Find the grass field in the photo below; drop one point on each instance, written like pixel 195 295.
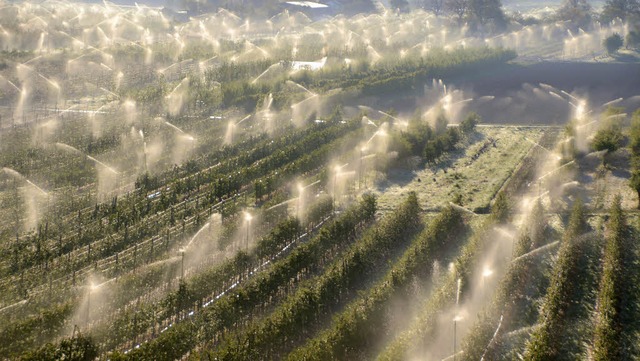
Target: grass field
pixel 475 172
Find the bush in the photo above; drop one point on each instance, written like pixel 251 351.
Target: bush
pixel 613 43
pixel 607 139
pixel 501 208
pixel 79 348
pixel 469 123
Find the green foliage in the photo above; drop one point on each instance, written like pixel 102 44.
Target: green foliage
pixel 265 338
pixel 420 140
pixel 537 224
pixel 443 297
pixel 78 348
pixel 608 138
pixel 545 342
pixel 131 209
pixel 621 9
pixel 356 330
pixel 634 144
pixel 613 43
pixel 577 12
pixel 230 311
pixel 417 134
pixel 441 123
pixel 469 123
pixel 613 111
pixel 512 294
pixel 279 237
pixel 488 13
pixel 152 94
pixel 144 225
pixel 501 208
pixel 608 344
pixel 439 145
pixel 15 337
pixel 577 220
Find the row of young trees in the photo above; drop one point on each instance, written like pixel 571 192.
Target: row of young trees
pixel 255 297
pixel 316 158
pixel 566 328
pixel 578 12
pixel 76 348
pixel 614 302
pixel 480 12
pixel 570 272
pixel 200 191
pixel 512 301
pixel 356 331
pixel 421 332
pixel 159 249
pixel 132 323
pixel 390 75
pixel 300 315
pixel 123 218
pixel 192 293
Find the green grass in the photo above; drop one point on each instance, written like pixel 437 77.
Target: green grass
pixel 476 180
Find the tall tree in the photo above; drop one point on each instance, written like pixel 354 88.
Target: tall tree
pixel 469 123
pixel 457 7
pixel 437 7
pixel 578 12
pixel 486 12
pixel 613 43
pixel 622 9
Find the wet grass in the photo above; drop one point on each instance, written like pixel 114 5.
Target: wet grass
pixel 472 172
